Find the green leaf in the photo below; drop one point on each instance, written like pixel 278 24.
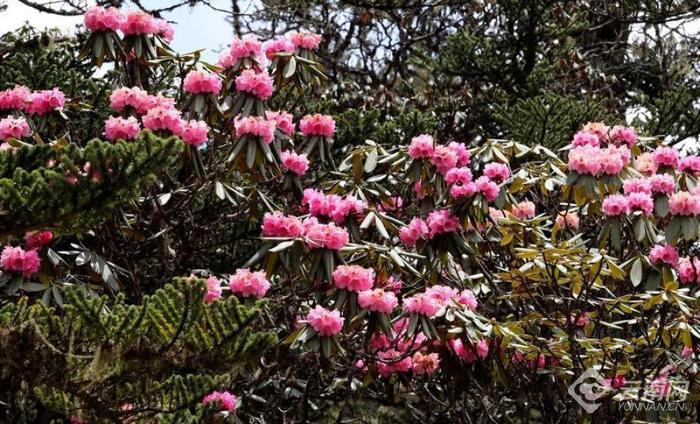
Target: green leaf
pixel 636 272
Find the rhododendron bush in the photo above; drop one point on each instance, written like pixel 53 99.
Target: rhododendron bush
pixel 438 280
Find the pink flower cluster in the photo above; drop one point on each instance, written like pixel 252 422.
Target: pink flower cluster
pixel 690 164
pixel 278 45
pixel 103 19
pixel 305 40
pixel 213 290
pixel 461 180
pixel 118 128
pixel 17 98
pixel 353 278
pixel 294 162
pixel 662 184
pixel 471 352
pixel 640 201
pixel 279 225
pixel 585 138
pixel 225 400
pixel 162 118
pixel 46 101
pixel 416 230
pixel 434 298
pixel 684 204
pixel 248 283
pixel 138 99
pixel 637 185
pixel 664 254
pixel 615 205
pixel 197 82
pixel 137 22
pixel 317 125
pixel 568 220
pixel 18 260
pixel 447 157
pixel 688 270
pixel 665 157
pixel 377 300
pixel 331 205
pixel 524 210
pixel 598 161
pixel 623 135
pixel 284 121
pixel 324 236
pixel 37 239
pixel 498 172
pixel 246 47
pixel 325 322
pixel 421 147
pixel 259 84
pixel 194 133
pixel 255 126
pixel 487 188
pixel 425 364
pixel 441 222
pixel 13 128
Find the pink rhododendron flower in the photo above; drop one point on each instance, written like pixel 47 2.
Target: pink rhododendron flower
pixel 284 121
pixel 225 400
pixel 353 278
pixel 421 304
pixel 17 98
pixel 482 348
pixel 317 124
pixel 417 229
pixel 193 132
pixel 103 19
pixel 295 162
pixel 568 220
pixel 129 96
pixel 255 126
pixel 637 185
pixel 461 152
pixel 425 364
pixel 213 290
pixel 258 84
pixel 596 161
pixel 662 184
pixel 326 236
pixel 248 283
pixel 487 188
pixel 461 180
pixel 467 298
pixel 421 147
pixel 37 239
pixel 597 128
pixel 226 61
pixel 137 22
pixel 688 270
pixel 644 163
pixel 160 118
pixel 441 222
pixel 17 259
pixel 640 202
pixel 684 203
pixel 524 210
pixel 393 361
pixel 278 45
pixel 665 156
pixel 202 82
pixel 279 225
pixel 118 128
pixel 331 205
pixel 305 40
pixel 619 134
pixel 443 158
pixel 13 128
pixel 246 47
pixel 664 254
pixel 46 101
pixel 470 352
pixel 584 138
pixel 690 164
pixel 165 30
pixel 615 205
pixel 498 172
pixel 325 322
pixel 377 300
